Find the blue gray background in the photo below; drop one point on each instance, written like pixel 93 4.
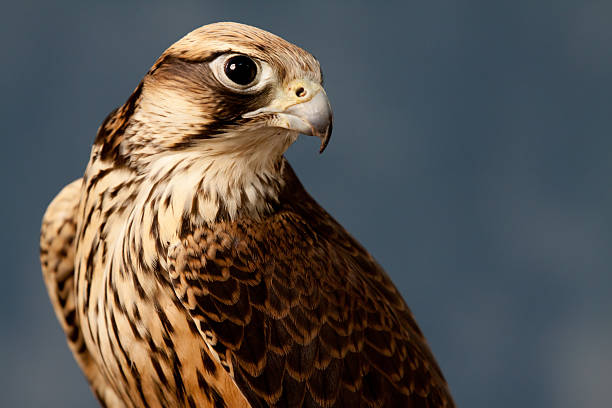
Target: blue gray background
pixel 471 155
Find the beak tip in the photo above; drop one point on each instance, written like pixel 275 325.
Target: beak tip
pixel 325 138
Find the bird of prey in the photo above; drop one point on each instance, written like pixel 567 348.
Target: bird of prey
pixel 190 268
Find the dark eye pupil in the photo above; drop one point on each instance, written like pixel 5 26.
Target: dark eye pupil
pixel 241 69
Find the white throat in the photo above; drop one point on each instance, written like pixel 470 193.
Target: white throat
pixel 221 178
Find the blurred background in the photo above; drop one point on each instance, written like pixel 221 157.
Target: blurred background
pixel 471 155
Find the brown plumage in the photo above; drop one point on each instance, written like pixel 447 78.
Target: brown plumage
pixel 189 267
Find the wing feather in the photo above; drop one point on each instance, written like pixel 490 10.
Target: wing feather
pixel 304 313
pixel 57 251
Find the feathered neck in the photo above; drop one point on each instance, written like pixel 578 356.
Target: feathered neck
pixel 207 179
pixel 220 179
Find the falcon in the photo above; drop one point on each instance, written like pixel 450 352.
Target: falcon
pixel 190 268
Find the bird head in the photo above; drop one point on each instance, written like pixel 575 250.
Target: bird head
pixel 207 126
pixel 223 89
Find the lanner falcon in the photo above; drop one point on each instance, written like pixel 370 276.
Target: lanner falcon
pixel 190 268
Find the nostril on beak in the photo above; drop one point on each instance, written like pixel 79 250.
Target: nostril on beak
pixel 301 92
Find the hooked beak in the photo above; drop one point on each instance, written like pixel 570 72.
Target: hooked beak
pixel 304 107
pixel 312 118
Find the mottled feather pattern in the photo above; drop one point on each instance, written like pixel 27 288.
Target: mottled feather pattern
pixel 316 324
pixel 143 343
pixel 57 251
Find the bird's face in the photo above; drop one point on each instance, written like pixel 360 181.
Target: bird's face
pixel 229 87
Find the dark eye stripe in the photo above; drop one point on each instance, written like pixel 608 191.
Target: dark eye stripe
pixel 170 59
pixel 224 106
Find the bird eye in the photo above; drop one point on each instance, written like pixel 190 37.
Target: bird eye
pixel 240 69
pixel 241 73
